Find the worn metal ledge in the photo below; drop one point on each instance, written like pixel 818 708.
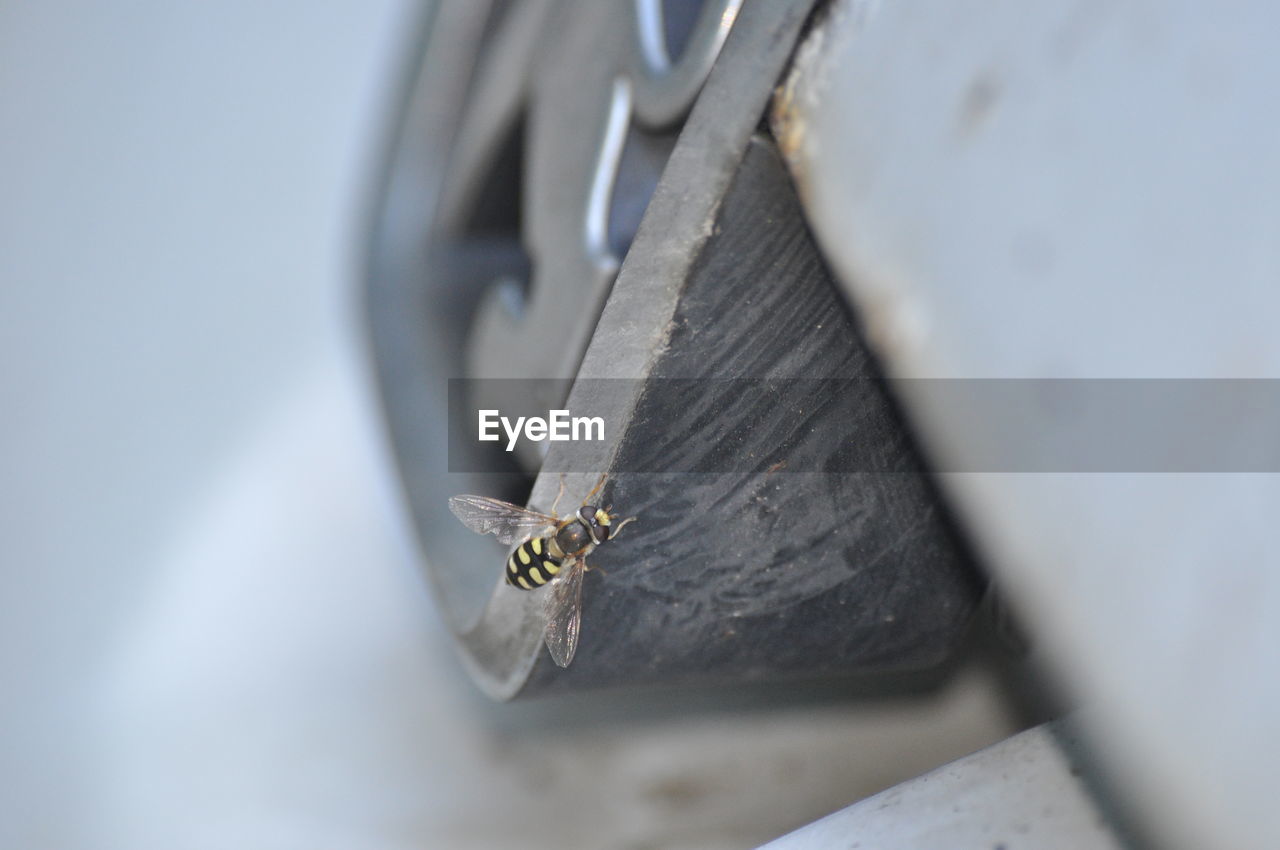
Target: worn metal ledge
pixel 1081 191
pixel 504 644
pixel 1028 791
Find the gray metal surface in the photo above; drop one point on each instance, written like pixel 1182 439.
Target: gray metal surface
pixel 424 292
pixel 598 92
pixel 1081 190
pixel 505 642
pixel 1027 791
pixel 491 158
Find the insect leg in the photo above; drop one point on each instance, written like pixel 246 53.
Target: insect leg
pixel 596 489
pixel 558 495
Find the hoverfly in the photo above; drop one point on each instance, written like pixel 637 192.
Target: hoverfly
pixel 552 550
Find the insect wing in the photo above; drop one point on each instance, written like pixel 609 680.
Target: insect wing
pixel 509 523
pixel 564 614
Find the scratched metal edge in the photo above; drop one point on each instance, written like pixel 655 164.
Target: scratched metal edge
pixel 637 315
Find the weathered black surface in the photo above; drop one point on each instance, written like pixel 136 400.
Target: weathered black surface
pixel 752 576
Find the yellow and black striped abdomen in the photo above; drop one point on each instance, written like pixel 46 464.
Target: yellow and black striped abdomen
pixel 534 563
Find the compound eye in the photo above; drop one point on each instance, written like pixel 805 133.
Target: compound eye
pixel 589 515
pixel 601 525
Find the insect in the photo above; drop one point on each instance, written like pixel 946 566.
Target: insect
pixel 552 551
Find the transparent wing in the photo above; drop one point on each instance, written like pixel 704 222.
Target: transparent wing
pixel 509 523
pixel 564 613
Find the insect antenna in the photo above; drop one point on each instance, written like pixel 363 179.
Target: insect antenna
pixel 617 528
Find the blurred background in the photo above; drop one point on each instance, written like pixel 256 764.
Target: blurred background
pixel 188 437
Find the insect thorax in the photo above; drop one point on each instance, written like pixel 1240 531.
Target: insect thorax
pixel 573 537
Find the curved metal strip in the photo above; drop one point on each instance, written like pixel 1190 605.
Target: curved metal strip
pixel 664 91
pixel 503 645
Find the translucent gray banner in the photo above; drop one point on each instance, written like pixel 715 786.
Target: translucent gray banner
pixel 852 426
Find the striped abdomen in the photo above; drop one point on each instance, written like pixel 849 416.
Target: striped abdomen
pixel 534 563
